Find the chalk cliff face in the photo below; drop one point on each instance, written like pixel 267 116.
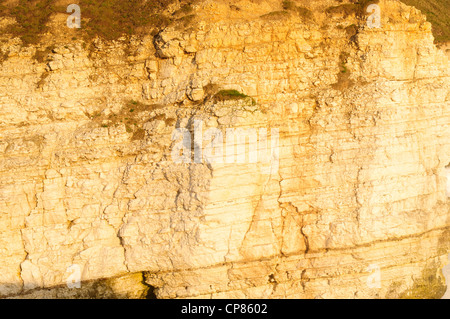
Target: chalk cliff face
pixel 355 191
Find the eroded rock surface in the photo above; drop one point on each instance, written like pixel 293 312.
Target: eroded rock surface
pixel 87 176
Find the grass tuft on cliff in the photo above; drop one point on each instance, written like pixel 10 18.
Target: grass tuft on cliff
pixel 230 95
pixel 226 95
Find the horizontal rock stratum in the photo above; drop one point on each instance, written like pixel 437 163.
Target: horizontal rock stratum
pixel 352 205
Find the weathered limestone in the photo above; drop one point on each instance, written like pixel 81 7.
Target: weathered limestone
pixel 87 176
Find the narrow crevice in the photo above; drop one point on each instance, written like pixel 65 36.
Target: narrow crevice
pixel 151 292
pixel 305 237
pixel 447 174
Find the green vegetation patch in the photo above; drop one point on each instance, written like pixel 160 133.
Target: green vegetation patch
pixel 111 19
pixel 230 95
pixel 31 16
pixel 357 7
pixel 303 12
pixel 108 19
pixel 438 13
pixel 227 95
pixel 430 286
pixel 276 15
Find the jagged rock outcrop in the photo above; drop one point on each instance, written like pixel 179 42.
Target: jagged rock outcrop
pixel 87 175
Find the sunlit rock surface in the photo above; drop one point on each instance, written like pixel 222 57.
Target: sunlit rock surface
pixel 359 184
